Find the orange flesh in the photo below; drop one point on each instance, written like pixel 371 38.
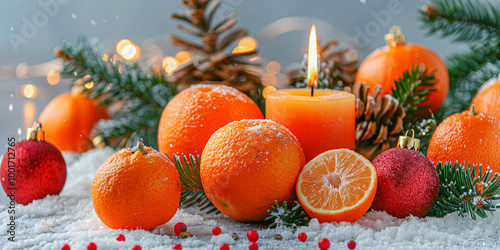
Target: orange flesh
pixel 342 183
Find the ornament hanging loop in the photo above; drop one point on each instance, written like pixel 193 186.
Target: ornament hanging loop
pixel 36 133
pixel 409 142
pixel 395 37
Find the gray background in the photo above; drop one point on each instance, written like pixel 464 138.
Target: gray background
pixel 146 21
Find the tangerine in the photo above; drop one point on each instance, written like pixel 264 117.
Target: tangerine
pixel 68 120
pixel 337 185
pixel 193 115
pixel 386 65
pixel 487 100
pixel 136 188
pixel 467 137
pixel 247 165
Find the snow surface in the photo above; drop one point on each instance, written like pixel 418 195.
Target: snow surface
pixel 70 219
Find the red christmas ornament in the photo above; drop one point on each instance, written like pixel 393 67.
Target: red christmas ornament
pixel 179 228
pixel 351 244
pixel 224 246
pixel 136 247
pixel 302 237
pixel 253 246
pixel 408 183
pixel 177 247
pixel 120 237
pixel 324 244
pixel 33 168
pixel 91 246
pixel 216 231
pixel 65 247
pixel 252 235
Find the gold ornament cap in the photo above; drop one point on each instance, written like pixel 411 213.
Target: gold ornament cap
pixel 395 37
pixel 36 133
pixel 409 142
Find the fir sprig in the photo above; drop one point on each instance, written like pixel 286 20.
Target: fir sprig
pixel 193 193
pixel 412 89
pixel 288 216
pixel 460 190
pixel 142 93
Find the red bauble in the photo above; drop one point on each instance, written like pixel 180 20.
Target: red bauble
pixel 32 169
pixel 408 183
pixel 302 237
pixel 224 246
pixel 216 231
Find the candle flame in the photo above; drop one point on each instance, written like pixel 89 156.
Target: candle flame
pixel 312 59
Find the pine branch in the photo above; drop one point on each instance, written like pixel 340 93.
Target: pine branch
pixel 412 89
pixel 284 215
pixel 141 92
pixel 468 72
pixel 460 190
pixel 472 21
pixel 192 192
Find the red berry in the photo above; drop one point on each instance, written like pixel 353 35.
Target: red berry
pixel 216 230
pixel 252 235
pixel 91 246
pixel 179 228
pixel 65 247
pixel 120 237
pixel 324 244
pixel 302 237
pixel 177 247
pixel 351 244
pixel 253 246
pixel 136 247
pixel 224 246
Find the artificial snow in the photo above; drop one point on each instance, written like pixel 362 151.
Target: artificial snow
pixel 69 218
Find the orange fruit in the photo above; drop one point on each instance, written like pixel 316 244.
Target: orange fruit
pixel 247 165
pixel 136 188
pixel 337 185
pixel 487 100
pixel 193 115
pixel 467 137
pixel 387 64
pixel 68 120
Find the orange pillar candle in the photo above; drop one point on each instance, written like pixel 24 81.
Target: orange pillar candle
pixel 322 122
pixel 320 119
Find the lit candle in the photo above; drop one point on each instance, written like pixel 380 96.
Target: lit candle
pixel 320 119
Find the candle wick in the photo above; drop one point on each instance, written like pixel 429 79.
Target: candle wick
pixel 312 90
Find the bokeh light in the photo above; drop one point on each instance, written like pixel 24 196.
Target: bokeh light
pixel 273 67
pixel 247 44
pixel 29 91
pixel 182 56
pixel 53 77
pixel 268 79
pixel 90 84
pixel 169 64
pixel 128 50
pixel 267 90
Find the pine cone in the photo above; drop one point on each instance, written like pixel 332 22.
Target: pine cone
pixel 210 62
pixel 379 120
pixel 337 67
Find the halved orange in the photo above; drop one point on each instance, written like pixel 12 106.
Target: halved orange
pixel 337 185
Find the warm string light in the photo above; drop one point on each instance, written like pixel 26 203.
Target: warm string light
pixel 90 84
pixel 312 60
